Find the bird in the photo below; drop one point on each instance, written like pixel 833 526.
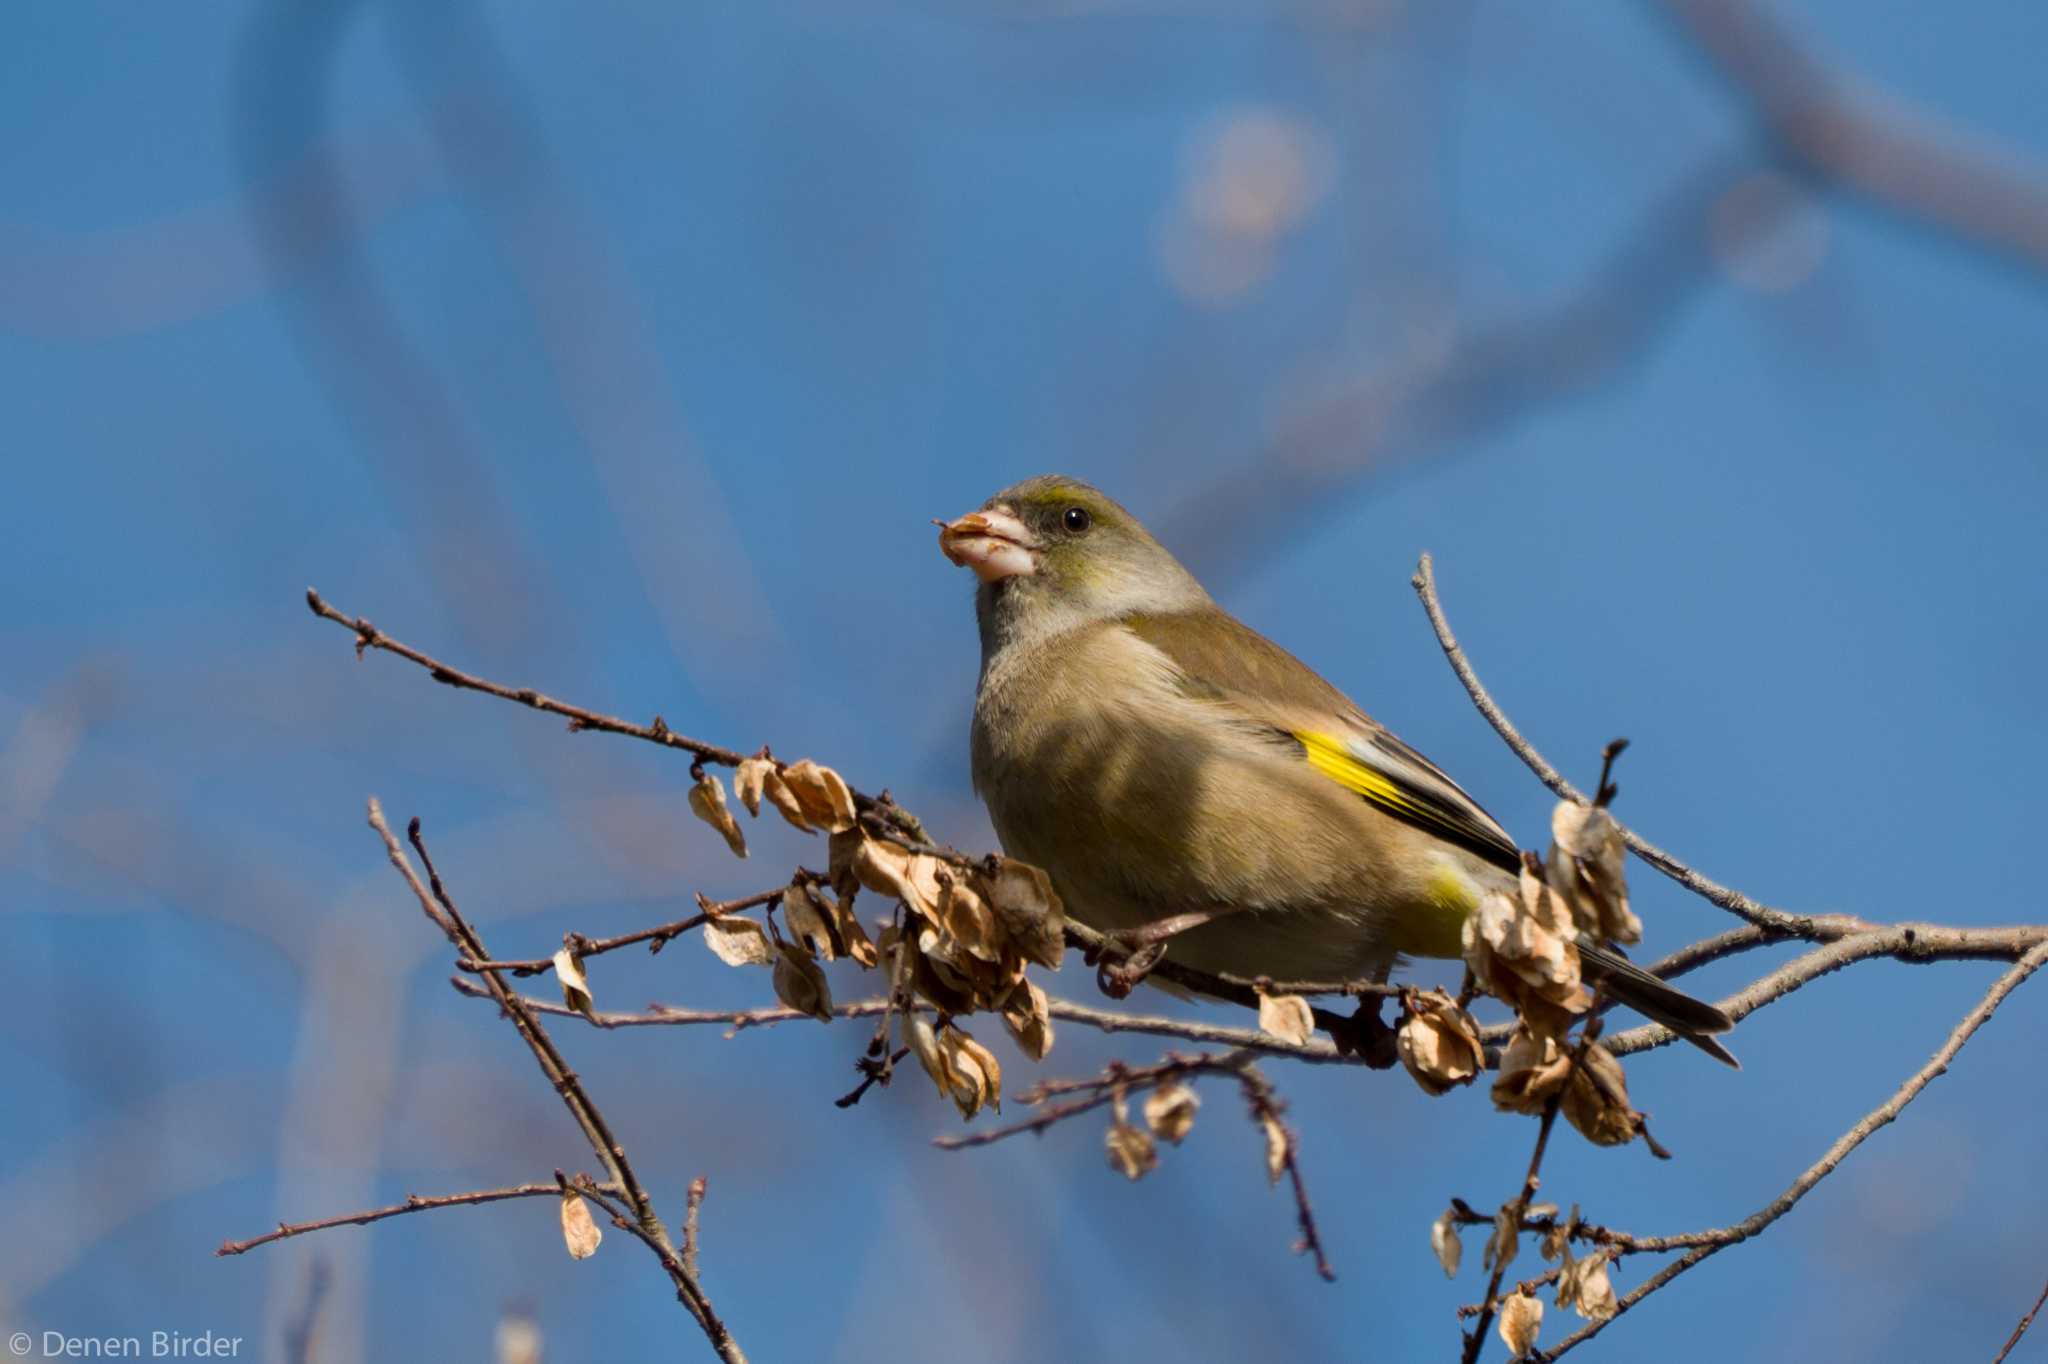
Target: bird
pixel 1191 787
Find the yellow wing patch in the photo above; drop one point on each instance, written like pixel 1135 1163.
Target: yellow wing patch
pixel 1331 756
pixel 1334 760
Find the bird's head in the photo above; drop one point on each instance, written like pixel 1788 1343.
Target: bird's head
pixel 1054 554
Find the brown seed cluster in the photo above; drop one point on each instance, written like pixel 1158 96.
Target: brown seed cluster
pixel 967 932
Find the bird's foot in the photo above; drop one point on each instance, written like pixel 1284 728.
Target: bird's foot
pixel 1118 978
pixel 1142 947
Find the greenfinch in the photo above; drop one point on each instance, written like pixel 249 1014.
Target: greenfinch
pixel 1184 780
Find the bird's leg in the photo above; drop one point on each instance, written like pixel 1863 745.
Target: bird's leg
pixel 1143 946
pixel 1366 1035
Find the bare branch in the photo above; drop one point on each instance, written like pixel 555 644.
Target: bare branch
pixel 656 937
pixel 2021 1329
pixel 1267 1112
pixel 1837 941
pixel 1117 1079
pixel 1872 145
pixel 1878 1117
pixel 691 1219
pixel 1735 902
pixel 1475 1339
pixel 1316 1051
pixel 1906 942
pixel 644 1223
pixel 879 814
pixel 413 1203
pixel 369 636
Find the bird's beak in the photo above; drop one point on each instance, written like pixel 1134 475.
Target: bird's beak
pixel 993 543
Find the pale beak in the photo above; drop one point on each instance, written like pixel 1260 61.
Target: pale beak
pixel 993 543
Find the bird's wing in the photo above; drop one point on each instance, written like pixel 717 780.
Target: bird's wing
pixel 1221 660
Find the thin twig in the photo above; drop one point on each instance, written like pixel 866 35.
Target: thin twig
pixel 691 1216
pixel 1734 901
pixel 1267 1109
pixel 1117 1079
pixel 1096 1091
pixel 1476 1339
pixel 2021 1329
pixel 413 1203
pixel 1906 942
pixel 441 910
pixel 880 814
pixel 1316 1051
pixel 1878 1117
pixel 369 636
pixel 656 937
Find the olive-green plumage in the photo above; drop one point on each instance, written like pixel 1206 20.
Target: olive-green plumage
pixel 1157 758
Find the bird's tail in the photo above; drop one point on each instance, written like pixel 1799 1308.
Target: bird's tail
pixel 1622 980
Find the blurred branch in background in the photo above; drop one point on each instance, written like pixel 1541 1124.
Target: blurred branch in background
pixel 1456 380
pixel 1842 134
pixel 1437 1042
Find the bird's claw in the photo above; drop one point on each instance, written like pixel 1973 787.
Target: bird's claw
pixel 1118 978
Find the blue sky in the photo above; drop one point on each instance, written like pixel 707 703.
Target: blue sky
pixel 626 352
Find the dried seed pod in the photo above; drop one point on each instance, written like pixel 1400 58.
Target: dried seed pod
pixel 1170 1110
pixel 580 1232
pixel 1505 1242
pixel 1279 1144
pixel 1131 1151
pixel 806 922
pixel 822 794
pixel 1033 920
pixel 784 800
pixel 1286 1017
pixel 801 984
pixel 1533 1067
pixel 1584 1286
pixel 1444 1240
pixel 1027 1014
pixel 976 1077
pixel 1586 867
pixel 1521 1318
pixel 575 989
pixel 738 942
pixel 1523 949
pixel 1438 1042
pixel 1596 1100
pixel 707 801
pixel 748 781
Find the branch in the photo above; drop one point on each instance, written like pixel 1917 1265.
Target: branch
pixel 880 814
pixel 2021 1329
pixel 1870 145
pixel 1475 1340
pixel 1905 942
pixel 656 938
pixel 1762 1218
pixel 643 1222
pixel 1315 1051
pixel 412 1203
pixel 1117 1079
pixel 369 636
pixel 1839 940
pixel 1735 902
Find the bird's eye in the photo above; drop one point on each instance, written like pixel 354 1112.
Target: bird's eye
pixel 1077 519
